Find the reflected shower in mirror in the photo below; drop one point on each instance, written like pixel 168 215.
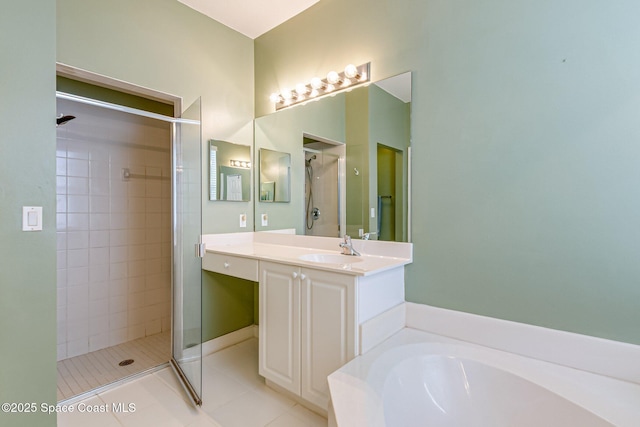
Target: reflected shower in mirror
pixel 275 176
pixel 373 125
pixel 229 171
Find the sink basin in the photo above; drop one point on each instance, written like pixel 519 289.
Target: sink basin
pixel 330 258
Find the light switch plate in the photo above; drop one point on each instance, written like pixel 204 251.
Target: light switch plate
pixel 32 218
pixel 243 220
pixel 265 220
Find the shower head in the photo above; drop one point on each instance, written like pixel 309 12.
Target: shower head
pixel 62 119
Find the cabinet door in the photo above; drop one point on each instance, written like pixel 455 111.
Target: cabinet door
pixel 279 353
pixel 329 334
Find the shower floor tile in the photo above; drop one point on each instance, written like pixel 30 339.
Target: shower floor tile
pixel 80 374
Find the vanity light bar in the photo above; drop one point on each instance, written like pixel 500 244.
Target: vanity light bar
pixel 240 164
pixel 334 83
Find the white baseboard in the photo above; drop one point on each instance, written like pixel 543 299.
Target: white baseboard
pixel 597 355
pixel 227 340
pixel 381 327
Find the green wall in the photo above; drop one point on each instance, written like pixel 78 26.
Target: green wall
pixel 27 178
pixel 524 121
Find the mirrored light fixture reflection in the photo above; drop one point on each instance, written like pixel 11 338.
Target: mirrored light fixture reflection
pixel 240 164
pixel 316 88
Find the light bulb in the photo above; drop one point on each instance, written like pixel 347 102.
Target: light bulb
pixel 351 71
pixel 329 88
pixel 275 98
pixel 333 77
pixel 301 89
pixel 317 83
pixel 314 93
pixel 286 94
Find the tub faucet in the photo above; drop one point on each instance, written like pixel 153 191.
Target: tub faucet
pixel 347 248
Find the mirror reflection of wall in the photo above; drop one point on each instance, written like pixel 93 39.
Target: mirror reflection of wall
pixel 374 123
pixel 229 171
pixel 275 176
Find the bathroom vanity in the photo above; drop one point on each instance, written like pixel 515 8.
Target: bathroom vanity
pixel 313 301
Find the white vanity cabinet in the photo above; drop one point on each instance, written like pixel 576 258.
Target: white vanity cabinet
pixel 308 327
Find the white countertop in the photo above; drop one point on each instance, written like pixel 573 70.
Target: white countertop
pixel 377 256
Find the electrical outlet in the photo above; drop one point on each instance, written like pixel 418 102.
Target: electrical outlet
pixel 373 212
pixel 360 232
pixel 265 220
pixel 243 220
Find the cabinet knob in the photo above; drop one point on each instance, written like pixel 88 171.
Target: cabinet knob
pixel 226 265
pixel 295 275
pixel 303 276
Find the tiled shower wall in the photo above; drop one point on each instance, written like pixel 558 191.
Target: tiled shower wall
pixel 114 251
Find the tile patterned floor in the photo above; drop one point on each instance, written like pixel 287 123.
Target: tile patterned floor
pixel 233 395
pixel 80 374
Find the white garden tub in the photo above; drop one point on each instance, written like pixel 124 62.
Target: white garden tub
pixel 420 379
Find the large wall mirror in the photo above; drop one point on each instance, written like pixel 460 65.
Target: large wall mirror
pixel 229 171
pixel 349 165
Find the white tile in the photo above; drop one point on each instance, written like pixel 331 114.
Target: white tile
pixel 118 254
pixel 309 418
pixel 61 222
pixel 117 336
pixel 84 418
pixel 99 186
pixel 61 240
pixel 153 327
pixel 99 307
pixel 77 186
pixel 135 332
pixel 99 256
pixel 99 341
pixel 219 389
pixel 78 167
pixel 61 354
pixel 118 271
pixel 137 204
pixel 118 221
pixel 77 221
pixel 77 204
pixel 119 204
pixel 118 287
pixel 78 295
pixel 61 166
pixel 61 185
pixel 99 325
pixel 99 168
pixel 98 273
pixel 61 260
pixel 77 276
pixel 61 203
pixel 77 150
pixel 250 409
pixel 61 277
pixel 99 204
pixel 61 296
pixel 98 290
pixel 100 221
pixel 77 258
pixel 136 269
pixel 77 330
pixel 118 309
pixel 78 240
pixel 78 347
pixel 99 238
pixel 78 313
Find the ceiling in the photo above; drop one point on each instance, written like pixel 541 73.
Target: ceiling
pixel 250 17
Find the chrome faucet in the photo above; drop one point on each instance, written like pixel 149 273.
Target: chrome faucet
pixel 347 248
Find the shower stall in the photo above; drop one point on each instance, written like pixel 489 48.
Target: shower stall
pixel 325 189
pixel 122 215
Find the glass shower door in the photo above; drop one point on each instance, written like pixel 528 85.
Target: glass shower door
pixel 187 262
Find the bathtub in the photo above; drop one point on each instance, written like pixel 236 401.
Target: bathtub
pixel 417 378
